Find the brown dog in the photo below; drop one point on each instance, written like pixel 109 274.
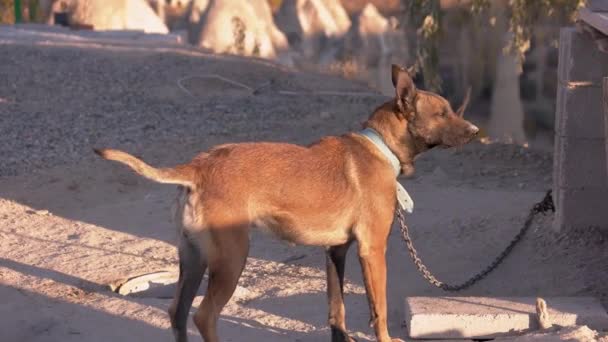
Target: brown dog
pixel 331 193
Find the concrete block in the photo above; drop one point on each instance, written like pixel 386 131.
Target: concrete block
pixel 557 162
pixel 483 317
pixel 597 20
pixel 580 62
pixel 582 163
pixel 579 112
pixel 597 5
pixel 581 208
pixel 605 101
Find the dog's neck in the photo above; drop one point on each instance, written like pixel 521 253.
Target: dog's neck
pixel 397 137
pixel 377 140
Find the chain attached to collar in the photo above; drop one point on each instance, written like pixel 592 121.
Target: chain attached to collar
pixel 541 207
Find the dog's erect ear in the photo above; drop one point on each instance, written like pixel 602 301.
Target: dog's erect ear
pixel 413 70
pixel 405 91
pixel 465 103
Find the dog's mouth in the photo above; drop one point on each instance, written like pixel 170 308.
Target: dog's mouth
pixel 451 144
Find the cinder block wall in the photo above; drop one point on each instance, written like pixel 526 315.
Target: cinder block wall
pixel 580 179
pixel 605 99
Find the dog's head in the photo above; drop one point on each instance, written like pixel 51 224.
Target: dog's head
pixel 418 120
pixel 430 118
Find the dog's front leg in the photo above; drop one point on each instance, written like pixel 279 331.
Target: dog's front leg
pixel 373 263
pixel 336 258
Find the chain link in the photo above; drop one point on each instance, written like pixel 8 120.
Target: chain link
pixel 541 207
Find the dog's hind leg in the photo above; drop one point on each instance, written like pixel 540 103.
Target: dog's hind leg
pixel 336 259
pixel 226 262
pixel 192 265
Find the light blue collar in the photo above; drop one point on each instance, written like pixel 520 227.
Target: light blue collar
pixel 376 139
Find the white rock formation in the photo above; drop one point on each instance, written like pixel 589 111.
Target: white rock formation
pixel 111 14
pixel 374 28
pixel 238 27
pixel 310 23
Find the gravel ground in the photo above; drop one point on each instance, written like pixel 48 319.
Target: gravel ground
pixel 74 99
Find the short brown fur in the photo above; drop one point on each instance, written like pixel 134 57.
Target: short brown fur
pixel 331 193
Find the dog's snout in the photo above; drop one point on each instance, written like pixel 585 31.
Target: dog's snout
pixel 472 129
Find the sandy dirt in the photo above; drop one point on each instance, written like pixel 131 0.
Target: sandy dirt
pixel 70 224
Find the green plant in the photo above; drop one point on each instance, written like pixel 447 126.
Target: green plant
pixel 33 10
pixel 428 33
pixel 524 13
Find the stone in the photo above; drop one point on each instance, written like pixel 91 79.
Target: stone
pixel 579 112
pixel 580 62
pixel 597 5
pixel 239 27
pixel 574 333
pixel 582 163
pixel 485 317
pixel 313 24
pixel 373 29
pixel 605 107
pixel 557 161
pixel 581 208
pixel 597 20
pixel 113 15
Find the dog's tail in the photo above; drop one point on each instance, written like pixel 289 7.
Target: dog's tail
pixel 182 174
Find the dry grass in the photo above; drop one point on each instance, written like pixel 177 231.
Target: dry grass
pixel 348 68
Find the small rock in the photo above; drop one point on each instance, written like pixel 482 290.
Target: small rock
pixel 73 236
pixel 42 212
pixel 73 332
pixel 325 115
pixel 294 258
pixel 243 295
pixel 439 173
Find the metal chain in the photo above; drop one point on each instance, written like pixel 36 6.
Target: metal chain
pixel 541 207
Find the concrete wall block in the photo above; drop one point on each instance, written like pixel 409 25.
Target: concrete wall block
pixel 579 58
pixel 565 51
pixel 597 5
pixel 582 162
pixel 560 107
pixel 582 208
pixel 557 162
pixel 605 102
pixel 579 112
